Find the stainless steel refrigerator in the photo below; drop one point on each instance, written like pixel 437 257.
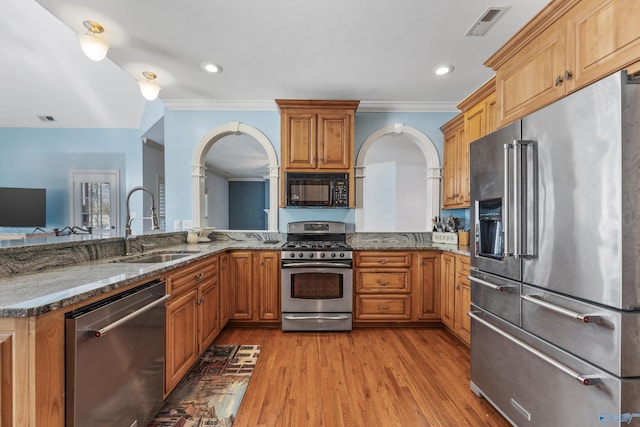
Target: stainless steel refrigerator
pixel 555 280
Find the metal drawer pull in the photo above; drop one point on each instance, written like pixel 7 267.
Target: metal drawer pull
pixel 582 317
pixel 199 276
pixel 340 317
pixel 382 282
pixel 101 332
pixel 489 285
pixel 584 379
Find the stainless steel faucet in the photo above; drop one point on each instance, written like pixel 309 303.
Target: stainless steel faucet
pixel 127 227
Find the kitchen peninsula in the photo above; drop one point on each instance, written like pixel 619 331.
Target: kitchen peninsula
pixel 34 299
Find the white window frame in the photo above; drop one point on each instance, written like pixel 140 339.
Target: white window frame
pixel 112 176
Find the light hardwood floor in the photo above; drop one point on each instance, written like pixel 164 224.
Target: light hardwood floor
pixel 367 377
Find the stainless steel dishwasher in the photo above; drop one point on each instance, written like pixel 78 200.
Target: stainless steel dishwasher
pixel 115 359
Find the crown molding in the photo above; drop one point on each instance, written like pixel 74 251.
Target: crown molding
pixel 270 105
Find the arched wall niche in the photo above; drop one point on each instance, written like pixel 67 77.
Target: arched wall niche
pixel 432 175
pixel 198 170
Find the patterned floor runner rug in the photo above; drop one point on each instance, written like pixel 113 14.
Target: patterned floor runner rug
pixel 211 393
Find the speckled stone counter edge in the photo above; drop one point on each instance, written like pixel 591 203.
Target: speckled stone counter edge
pixel 47 277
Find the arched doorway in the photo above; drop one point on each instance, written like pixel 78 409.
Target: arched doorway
pixel 198 170
pixel 431 175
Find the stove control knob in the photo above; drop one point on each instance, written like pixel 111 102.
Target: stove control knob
pixel 293 255
pixel 341 254
pixel 311 255
pixel 333 254
pixel 322 254
pixel 300 255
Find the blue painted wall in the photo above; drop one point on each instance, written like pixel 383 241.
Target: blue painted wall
pixel 36 157
pixel 42 158
pixel 184 129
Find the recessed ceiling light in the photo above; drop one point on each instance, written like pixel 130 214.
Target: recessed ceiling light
pixel 445 69
pixel 210 67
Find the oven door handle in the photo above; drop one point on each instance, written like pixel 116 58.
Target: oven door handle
pixel 316 264
pixel 317 317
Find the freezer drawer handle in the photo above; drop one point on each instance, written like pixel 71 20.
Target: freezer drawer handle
pixel 582 317
pixel 102 332
pixel 584 379
pixel 489 285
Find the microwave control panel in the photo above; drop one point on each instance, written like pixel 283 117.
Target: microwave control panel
pixel 341 193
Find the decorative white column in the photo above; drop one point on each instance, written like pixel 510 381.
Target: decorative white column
pixel 197 194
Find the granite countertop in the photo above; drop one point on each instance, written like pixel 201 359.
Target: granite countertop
pixel 35 293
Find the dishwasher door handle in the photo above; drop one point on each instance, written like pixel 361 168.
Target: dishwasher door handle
pixel 102 332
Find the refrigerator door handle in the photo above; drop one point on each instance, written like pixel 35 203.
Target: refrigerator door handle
pixel 525 199
pixel 584 379
pixel 489 285
pixel 582 317
pixel 506 219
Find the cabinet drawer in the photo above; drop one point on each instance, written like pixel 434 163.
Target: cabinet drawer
pixel 380 307
pixel 383 259
pixel 380 281
pixel 463 265
pixel 193 274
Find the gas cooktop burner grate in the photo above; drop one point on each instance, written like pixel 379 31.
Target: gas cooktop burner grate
pixel 316 245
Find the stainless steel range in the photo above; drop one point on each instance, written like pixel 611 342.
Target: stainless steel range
pixel 317 277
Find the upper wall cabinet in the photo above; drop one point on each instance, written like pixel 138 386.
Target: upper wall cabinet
pixel 317 135
pixel 569 45
pixel 478 118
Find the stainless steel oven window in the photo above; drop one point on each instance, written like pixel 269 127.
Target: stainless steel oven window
pixel 315 285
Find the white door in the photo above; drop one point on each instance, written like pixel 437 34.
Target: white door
pixel 95 196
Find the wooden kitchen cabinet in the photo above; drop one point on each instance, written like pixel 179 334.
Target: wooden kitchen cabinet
pixel 383 285
pixel 426 294
pixel 453 176
pixel 317 134
pixel 567 46
pixel 192 317
pixel 462 299
pixel 478 118
pixel 241 285
pixel 447 289
pixel 223 279
pixel 254 278
pixel 456 294
pixel 269 287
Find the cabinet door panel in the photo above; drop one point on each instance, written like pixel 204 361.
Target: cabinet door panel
pixel 300 134
pixel 450 170
pixel 605 36
pixel 448 289
pixel 333 141
pixel 181 337
pixel 240 285
pixel 208 325
pixel 528 81
pixel 427 294
pixel 223 280
pixel 268 281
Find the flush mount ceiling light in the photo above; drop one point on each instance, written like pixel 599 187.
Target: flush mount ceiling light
pixel 210 67
pixel 444 69
pixel 148 87
pixel 92 43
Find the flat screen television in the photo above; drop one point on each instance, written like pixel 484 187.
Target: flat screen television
pixel 23 207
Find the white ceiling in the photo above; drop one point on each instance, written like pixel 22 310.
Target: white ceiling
pixel 380 52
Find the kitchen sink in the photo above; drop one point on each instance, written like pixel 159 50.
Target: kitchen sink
pixel 156 257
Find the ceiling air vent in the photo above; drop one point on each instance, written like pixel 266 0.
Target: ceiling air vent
pixel 47 118
pixel 489 17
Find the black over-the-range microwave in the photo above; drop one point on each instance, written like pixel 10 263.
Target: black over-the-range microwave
pixel 308 189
